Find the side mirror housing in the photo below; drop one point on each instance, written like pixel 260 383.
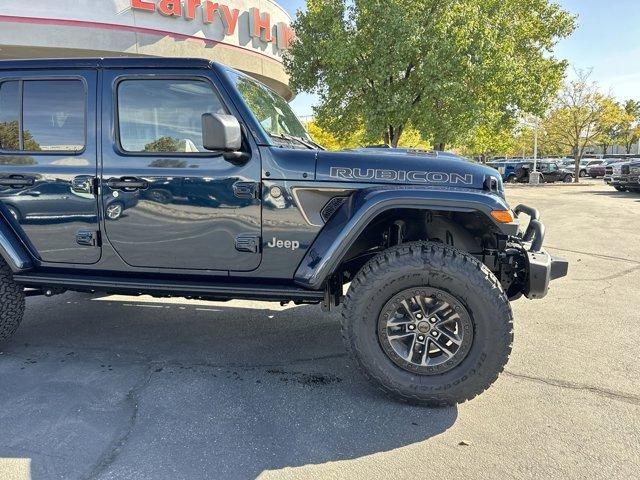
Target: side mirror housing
pixel 221 132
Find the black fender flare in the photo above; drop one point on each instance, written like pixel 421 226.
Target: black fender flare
pixel 332 243
pixel 12 250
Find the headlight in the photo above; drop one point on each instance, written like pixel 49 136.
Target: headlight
pixel 635 170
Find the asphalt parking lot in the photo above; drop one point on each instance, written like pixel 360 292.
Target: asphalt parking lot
pixel 137 388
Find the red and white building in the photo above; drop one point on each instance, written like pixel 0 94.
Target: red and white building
pixel 249 35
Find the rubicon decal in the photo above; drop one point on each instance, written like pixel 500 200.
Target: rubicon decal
pixel 413 176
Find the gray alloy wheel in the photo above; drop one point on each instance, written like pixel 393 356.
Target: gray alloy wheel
pixel 426 330
pixel 114 210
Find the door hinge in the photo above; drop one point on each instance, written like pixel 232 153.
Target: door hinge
pixel 246 190
pixel 88 238
pixel 248 243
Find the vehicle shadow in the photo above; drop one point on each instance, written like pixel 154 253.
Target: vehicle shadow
pixel 608 193
pixel 117 387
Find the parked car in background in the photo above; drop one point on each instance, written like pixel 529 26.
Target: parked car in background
pixel 36 203
pixel 613 175
pixel 519 172
pixel 629 175
pixel 599 169
pixel 585 163
pixel 634 177
pixel 510 169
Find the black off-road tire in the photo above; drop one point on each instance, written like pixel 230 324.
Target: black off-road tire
pixel 12 303
pixel 422 264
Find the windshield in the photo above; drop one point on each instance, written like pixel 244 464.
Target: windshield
pixel 271 110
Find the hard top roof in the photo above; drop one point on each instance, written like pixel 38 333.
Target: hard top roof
pixel 115 62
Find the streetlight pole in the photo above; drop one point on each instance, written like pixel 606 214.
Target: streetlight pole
pixel 535 145
pixel 534 177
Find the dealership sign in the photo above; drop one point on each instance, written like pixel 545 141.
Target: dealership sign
pixel 260 26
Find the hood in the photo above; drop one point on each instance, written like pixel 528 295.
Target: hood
pixel 414 169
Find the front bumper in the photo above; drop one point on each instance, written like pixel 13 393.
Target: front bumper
pixel 630 181
pixel 541 267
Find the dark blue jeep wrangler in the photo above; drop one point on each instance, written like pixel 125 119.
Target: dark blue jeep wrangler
pixel 174 177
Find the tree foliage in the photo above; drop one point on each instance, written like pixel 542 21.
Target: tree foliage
pixel 10 138
pixel 411 139
pixel 163 144
pixel 441 66
pixel 629 133
pixel 579 117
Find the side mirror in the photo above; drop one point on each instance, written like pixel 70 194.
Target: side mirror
pixel 221 132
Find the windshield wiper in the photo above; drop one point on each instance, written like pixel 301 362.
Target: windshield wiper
pixel 307 143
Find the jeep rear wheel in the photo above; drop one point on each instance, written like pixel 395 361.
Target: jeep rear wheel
pixel 11 303
pixel 428 324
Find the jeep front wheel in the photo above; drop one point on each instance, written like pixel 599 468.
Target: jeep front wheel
pixel 428 324
pixel 11 303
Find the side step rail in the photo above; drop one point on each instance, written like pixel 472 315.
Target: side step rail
pixel 169 288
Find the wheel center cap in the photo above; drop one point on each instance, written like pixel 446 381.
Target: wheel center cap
pixel 423 327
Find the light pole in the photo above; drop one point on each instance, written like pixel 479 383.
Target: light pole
pixel 534 176
pixel 535 145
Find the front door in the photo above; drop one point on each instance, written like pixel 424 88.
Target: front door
pixel 168 202
pixel 48 162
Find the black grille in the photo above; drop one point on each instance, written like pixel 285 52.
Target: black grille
pixel 331 207
pixel 624 170
pixel 609 170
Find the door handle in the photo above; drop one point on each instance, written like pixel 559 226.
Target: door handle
pixel 127 183
pixel 17 181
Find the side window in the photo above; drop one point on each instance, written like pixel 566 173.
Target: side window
pixel 53 115
pixel 164 116
pixel 9 116
pixel 553 167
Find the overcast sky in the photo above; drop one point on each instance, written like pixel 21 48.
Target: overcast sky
pixel 607 40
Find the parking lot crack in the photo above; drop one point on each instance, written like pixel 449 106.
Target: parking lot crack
pixel 597 255
pixel 603 392
pixel 116 446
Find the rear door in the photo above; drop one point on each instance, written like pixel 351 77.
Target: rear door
pixel 48 162
pixel 194 209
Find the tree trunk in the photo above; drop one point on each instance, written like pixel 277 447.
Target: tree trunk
pixel 576 172
pixel 397 133
pixel 439 146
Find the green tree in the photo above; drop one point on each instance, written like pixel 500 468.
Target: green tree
pixel 612 120
pixel 411 138
pixel 441 66
pixel 163 144
pixel 10 138
pixel 577 118
pixel 485 142
pixel 629 134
